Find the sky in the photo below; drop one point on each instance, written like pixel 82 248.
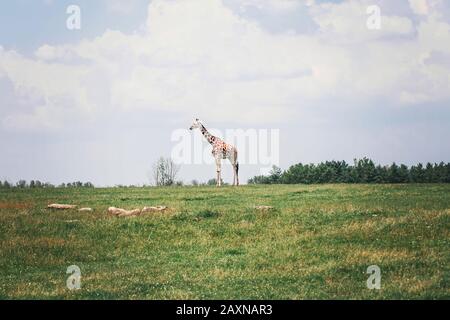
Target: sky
pixel 102 103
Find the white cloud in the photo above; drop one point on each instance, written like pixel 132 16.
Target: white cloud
pixel 281 5
pixel 121 7
pixel 198 58
pixel 419 7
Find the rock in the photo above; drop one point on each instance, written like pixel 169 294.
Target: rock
pixel 122 212
pixel 153 209
pixel 85 209
pixel 130 213
pixel 61 206
pixel 263 207
pixel 136 212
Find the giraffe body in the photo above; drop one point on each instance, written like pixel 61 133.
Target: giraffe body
pixel 220 150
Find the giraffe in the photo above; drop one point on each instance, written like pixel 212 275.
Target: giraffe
pixel 220 150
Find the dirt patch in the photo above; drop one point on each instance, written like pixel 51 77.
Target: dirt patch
pixel 15 205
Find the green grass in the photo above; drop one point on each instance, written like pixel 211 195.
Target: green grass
pixel 316 243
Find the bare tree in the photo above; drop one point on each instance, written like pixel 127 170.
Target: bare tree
pixel 165 172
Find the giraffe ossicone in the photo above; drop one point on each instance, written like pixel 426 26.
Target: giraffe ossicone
pixel 220 150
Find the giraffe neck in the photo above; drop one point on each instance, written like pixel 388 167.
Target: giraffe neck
pixel 208 136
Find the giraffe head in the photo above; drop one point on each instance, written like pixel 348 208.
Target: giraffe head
pixel 195 124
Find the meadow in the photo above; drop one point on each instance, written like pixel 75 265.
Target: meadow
pixel 316 243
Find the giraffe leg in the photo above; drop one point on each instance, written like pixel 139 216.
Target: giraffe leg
pixel 237 173
pixel 234 175
pixel 234 171
pixel 235 165
pixel 218 169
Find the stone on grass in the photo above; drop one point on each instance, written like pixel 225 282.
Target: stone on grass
pixel 119 212
pixel 61 206
pixel 122 212
pixel 85 209
pixel 263 208
pixel 153 209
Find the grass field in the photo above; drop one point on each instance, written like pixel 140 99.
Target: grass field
pixel 213 244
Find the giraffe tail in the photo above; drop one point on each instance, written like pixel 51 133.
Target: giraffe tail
pixel 237 168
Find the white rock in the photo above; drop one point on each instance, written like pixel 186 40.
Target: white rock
pixel 61 206
pixel 122 212
pixel 263 207
pixel 153 209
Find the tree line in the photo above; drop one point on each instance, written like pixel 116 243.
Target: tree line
pixel 38 184
pixel 362 171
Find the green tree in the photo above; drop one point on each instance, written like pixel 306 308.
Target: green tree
pixel 365 171
pixel 403 174
pixel 275 175
pixel 417 173
pixel 21 184
pixel 447 173
pixel 392 174
pixel 428 174
pixel 381 174
pixel 439 173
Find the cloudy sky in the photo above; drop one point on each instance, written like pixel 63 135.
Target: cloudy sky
pixel 101 103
